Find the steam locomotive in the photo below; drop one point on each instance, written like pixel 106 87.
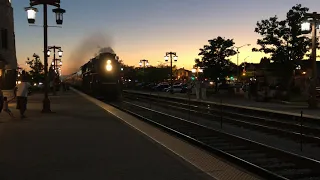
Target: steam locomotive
pixel 100 77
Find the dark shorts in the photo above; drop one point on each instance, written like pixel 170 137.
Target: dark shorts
pixel 22 103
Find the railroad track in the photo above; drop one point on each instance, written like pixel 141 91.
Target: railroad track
pixel 265 161
pixel 294 130
pixel 287 117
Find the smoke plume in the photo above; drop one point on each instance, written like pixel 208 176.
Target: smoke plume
pixel 106 50
pixel 87 48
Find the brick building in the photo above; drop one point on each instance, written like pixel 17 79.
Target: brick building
pixel 8 60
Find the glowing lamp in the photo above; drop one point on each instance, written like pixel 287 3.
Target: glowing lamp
pixel 305 27
pixel 193 70
pixel 48 53
pixel 108 67
pixel 140 63
pixel 175 58
pixel 166 58
pixel 298 67
pixel 60 52
pixel 109 62
pixel 52 63
pixel 201 70
pixel 31 12
pixel 60 63
pixel 59 15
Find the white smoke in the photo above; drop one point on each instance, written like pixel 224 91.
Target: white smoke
pixel 107 50
pixel 87 49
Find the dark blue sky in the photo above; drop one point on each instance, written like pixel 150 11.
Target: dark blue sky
pixel 146 29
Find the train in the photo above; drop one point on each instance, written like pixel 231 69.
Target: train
pixel 99 77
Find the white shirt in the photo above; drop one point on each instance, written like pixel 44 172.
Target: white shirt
pixel 22 90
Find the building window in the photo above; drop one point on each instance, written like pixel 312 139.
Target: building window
pixel 4 38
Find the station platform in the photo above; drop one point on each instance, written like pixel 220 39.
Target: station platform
pixel 88 139
pixel 291 109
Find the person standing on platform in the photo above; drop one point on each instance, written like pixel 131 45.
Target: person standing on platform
pixel 22 95
pixel 6 106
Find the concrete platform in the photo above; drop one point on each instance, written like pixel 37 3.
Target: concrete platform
pixel 84 141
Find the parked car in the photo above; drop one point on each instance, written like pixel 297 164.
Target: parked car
pixel 160 87
pixel 178 88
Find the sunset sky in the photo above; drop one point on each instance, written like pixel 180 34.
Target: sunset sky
pixel 146 29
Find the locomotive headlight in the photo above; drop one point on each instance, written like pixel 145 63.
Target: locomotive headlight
pixel 109 67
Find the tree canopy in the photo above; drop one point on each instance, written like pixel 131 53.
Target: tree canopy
pixel 37 68
pixel 282 41
pixel 215 58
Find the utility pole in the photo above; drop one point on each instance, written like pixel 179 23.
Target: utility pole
pixel 237 50
pixel 174 55
pixel 145 63
pixel 59 20
pixel 312 19
pixel 54 64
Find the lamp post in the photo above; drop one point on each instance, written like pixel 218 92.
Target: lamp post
pixel 244 63
pixel 196 70
pixel 237 49
pixel 144 63
pixel 312 20
pixel 59 20
pixel 60 52
pixel 166 58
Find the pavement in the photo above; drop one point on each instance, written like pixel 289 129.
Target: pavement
pixel 290 108
pixel 81 141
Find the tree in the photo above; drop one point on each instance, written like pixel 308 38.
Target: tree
pixel 215 58
pixel 37 68
pixel 157 74
pixel 129 72
pixel 282 40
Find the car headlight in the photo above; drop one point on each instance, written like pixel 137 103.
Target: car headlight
pixel 109 67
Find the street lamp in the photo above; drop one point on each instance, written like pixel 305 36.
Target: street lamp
pixel 311 20
pixel 59 15
pixel 48 53
pixel 54 64
pixel 237 50
pixel 305 27
pixel 196 71
pixel 166 58
pixel 60 52
pixel 59 19
pixel 144 63
pixel 31 12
